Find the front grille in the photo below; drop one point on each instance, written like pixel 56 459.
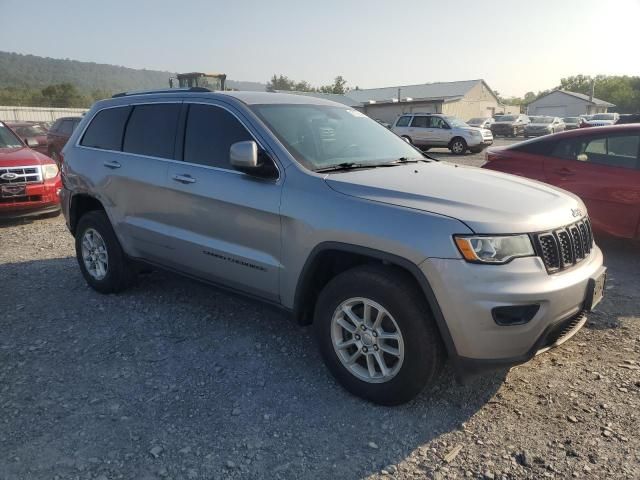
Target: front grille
pixel 565 247
pixel 31 174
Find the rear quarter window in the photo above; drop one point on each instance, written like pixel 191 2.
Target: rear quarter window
pixel 535 147
pixel 106 129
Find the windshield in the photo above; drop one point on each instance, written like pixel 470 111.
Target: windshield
pixel 603 116
pixel 571 119
pixel 541 119
pixel 321 136
pixel 507 118
pixel 455 122
pixel 8 139
pixel 25 131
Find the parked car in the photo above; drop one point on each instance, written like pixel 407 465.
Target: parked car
pixel 603 119
pixel 58 135
pixel 509 125
pixel 33 136
pixel 315 207
pixel 571 123
pixel 481 122
pixel 384 124
pixel 600 165
pixel 628 118
pixel 29 181
pixel 427 130
pixel 543 126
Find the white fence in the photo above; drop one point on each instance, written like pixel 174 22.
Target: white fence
pixel 38 114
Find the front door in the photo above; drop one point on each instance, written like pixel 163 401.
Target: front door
pixel 226 224
pixel 603 172
pixel 440 131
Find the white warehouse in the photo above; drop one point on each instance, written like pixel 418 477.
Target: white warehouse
pixel 562 103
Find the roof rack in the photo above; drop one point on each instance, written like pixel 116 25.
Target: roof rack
pixel 166 90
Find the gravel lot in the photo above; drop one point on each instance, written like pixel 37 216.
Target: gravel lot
pixel 175 379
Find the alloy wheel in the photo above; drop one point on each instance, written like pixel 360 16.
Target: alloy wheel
pixel 367 340
pixel 94 254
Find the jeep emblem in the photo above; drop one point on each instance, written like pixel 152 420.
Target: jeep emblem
pixel 576 212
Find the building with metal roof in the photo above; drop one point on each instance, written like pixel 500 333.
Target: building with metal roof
pixel 563 103
pixel 464 99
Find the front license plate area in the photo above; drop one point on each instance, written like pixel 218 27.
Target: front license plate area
pixel 10 191
pixel 595 291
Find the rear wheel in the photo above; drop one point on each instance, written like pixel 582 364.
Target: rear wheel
pixel 104 265
pixel 376 334
pixel 458 146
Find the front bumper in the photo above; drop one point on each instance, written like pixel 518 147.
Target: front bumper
pixel 467 294
pixel 39 199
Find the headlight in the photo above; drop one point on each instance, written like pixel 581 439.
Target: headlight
pixel 50 170
pixel 474 133
pixel 498 249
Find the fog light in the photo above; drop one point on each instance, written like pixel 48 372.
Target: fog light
pixel 514 314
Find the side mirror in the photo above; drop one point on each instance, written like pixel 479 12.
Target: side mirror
pixel 244 155
pixel 31 142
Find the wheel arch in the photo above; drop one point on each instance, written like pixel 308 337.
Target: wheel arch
pixel 330 258
pixel 80 204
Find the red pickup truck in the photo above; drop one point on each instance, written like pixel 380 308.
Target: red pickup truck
pixel 30 182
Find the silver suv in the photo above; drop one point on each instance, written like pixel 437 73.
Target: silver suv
pixel 397 260
pixel 428 130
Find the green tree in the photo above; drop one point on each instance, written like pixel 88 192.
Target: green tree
pixel 280 82
pixel 63 95
pixel 339 86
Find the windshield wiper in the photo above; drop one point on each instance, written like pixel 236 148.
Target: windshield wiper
pixel 346 166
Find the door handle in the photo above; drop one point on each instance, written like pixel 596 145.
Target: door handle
pixel 112 165
pixel 184 179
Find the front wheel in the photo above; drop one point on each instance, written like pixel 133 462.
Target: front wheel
pixel 102 262
pixel 458 146
pixel 376 334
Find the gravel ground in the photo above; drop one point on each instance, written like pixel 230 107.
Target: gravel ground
pixel 175 379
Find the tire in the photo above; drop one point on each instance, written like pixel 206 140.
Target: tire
pixel 117 271
pixel 458 146
pixel 422 351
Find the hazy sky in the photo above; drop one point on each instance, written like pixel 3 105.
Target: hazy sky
pixel 515 46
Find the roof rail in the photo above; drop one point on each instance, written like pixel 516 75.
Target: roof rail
pixel 166 90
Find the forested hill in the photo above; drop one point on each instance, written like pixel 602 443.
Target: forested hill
pixel 30 71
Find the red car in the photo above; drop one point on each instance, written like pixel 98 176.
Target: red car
pixel 601 165
pixel 34 136
pixel 29 181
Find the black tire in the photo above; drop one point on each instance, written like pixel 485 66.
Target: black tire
pixel 394 290
pixel 120 272
pixel 458 146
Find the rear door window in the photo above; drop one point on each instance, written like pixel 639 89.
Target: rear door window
pixel 66 127
pixel 151 130
pixel 106 129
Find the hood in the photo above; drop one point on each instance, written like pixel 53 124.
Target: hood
pixel 486 201
pixel 21 157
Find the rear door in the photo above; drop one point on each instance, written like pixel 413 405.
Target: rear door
pixel 130 147
pixel 603 171
pixel 419 130
pixel 225 223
